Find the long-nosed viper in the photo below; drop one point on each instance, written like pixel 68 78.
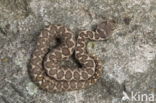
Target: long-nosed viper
pixel 46 69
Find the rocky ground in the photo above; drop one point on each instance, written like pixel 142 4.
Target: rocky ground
pixel 129 56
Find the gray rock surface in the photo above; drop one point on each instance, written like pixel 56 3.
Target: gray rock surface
pixel 129 56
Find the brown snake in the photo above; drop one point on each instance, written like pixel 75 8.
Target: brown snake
pixel 46 69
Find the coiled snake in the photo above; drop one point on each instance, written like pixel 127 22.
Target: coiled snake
pixel 46 69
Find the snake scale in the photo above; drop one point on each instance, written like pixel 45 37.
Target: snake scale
pixel 46 69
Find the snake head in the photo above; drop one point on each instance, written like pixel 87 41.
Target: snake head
pixel 104 29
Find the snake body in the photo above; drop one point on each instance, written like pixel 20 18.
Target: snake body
pixel 46 70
